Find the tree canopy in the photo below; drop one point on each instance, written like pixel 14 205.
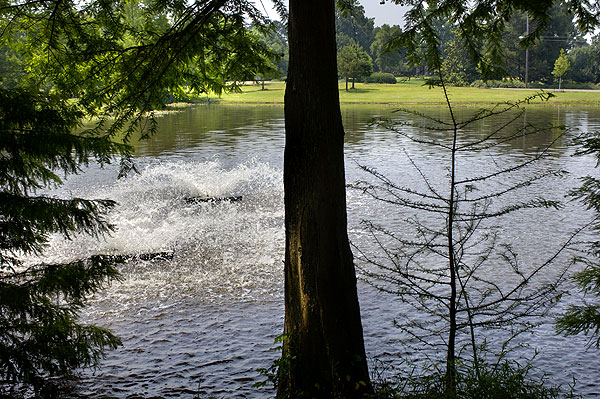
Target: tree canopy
pixel 482 26
pixel 120 59
pixel 387 61
pixel 585 62
pixel 352 26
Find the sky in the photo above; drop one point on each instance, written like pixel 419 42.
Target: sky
pixel 387 13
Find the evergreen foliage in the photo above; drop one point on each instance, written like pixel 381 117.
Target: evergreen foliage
pixel 501 380
pixel 457 67
pixel 275 38
pixel 40 336
pixel 352 26
pixel 121 59
pixel 387 61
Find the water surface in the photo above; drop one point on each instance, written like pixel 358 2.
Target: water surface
pixel 202 323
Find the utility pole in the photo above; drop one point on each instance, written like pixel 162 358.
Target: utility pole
pixel 527 55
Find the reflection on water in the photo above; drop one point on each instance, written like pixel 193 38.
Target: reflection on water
pixel 203 322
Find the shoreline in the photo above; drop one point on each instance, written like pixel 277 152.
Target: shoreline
pixel 413 93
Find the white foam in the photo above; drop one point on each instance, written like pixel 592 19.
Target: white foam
pixel 220 248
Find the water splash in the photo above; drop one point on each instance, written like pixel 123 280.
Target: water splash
pixel 219 249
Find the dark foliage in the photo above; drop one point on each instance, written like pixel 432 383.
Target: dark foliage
pixel 40 337
pixel 501 380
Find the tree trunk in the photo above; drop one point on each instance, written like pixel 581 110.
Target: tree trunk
pixel 346 83
pixel 323 354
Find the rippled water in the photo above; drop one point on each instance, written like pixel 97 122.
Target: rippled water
pixel 202 323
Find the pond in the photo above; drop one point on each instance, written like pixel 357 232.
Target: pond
pixel 202 323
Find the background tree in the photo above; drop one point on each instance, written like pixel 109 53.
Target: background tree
pixel 352 26
pixel 354 63
pixel 561 66
pixel 457 66
pixel 560 32
pixel 585 62
pixel 481 28
pixel 323 352
pixel 387 61
pixel 275 38
pixel 514 53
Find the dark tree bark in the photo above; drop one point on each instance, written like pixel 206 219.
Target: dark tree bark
pixel 323 355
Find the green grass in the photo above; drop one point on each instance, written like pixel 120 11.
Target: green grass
pixel 409 92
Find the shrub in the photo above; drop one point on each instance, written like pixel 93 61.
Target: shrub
pixel 503 380
pixel 570 84
pixel 381 77
pixel 486 84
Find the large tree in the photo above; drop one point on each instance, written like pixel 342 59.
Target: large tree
pixel 352 26
pixel 324 352
pixel 585 62
pixel 387 61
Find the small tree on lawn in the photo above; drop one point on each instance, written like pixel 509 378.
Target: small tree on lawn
pixel 561 66
pixel 354 63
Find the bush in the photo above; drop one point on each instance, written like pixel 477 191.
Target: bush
pixel 567 84
pixel 381 77
pixel 505 380
pixel 570 84
pixel 486 84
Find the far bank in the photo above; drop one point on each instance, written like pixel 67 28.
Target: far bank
pixel 413 91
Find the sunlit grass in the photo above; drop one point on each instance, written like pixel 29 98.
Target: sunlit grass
pixel 409 92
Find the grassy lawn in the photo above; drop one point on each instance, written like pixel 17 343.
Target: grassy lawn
pixel 409 92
